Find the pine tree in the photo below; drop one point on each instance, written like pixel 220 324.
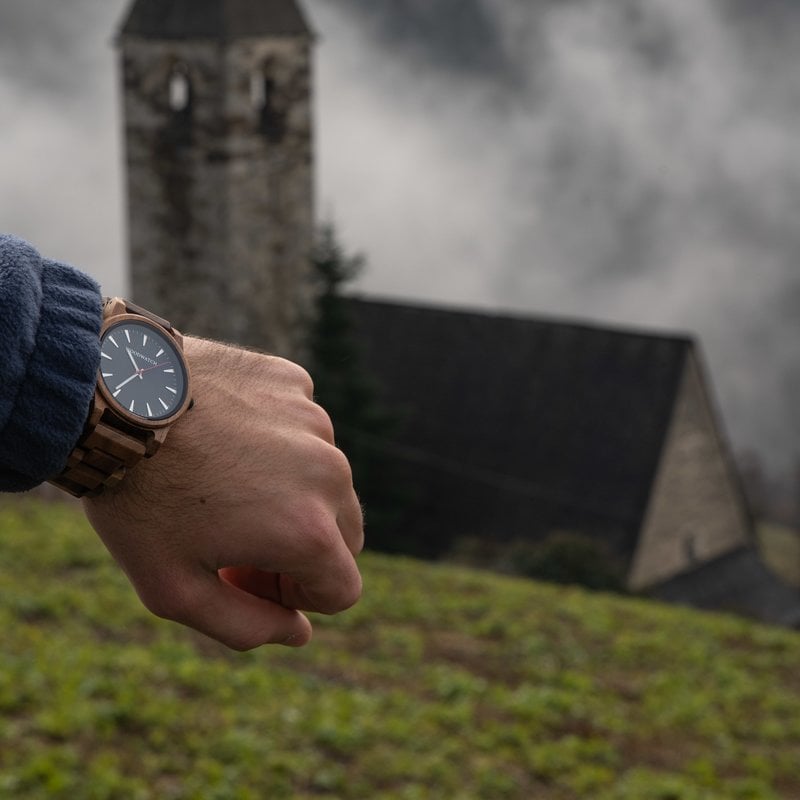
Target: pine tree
pixel 350 395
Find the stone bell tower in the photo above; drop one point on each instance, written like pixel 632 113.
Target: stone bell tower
pixel 218 140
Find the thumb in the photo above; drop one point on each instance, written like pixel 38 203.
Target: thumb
pixel 239 619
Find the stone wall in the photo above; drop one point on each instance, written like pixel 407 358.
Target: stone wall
pixel 696 510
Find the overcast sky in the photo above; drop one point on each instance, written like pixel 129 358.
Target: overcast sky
pixel 630 161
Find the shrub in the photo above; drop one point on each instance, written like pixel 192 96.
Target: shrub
pixel 562 557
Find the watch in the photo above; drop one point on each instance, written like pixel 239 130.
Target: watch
pixel 143 387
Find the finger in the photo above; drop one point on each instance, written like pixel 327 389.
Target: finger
pixel 330 582
pixel 280 589
pixel 297 376
pixel 351 523
pixel 238 618
pixel 256 581
pixel 313 553
pixel 316 420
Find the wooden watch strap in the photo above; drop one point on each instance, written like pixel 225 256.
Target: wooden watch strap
pixel 100 460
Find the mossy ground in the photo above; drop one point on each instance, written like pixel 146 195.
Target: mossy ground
pixel 441 683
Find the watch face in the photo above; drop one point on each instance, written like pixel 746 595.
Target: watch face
pixel 142 369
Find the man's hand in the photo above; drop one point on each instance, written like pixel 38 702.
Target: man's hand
pixel 247 515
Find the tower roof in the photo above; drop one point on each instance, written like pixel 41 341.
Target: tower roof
pixel 214 19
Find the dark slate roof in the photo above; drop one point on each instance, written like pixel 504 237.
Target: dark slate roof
pixel 214 19
pixel 515 426
pixel 738 582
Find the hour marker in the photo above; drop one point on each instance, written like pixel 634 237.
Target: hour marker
pixel 117 392
pixel 169 370
pixel 108 374
pixel 131 408
pixel 144 339
pixel 166 407
pixel 170 389
pixel 160 352
pixel 149 412
pixel 113 341
pixel 106 355
pixel 128 335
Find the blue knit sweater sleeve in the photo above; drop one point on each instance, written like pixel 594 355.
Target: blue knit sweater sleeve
pixel 50 316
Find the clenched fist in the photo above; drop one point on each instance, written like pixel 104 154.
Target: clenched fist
pixel 246 516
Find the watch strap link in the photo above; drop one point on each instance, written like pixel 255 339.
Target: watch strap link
pixel 100 461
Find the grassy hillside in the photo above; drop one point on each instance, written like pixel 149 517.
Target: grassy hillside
pixel 780 548
pixel 442 683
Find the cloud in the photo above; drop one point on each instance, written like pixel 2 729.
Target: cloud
pixel 641 167
pixel 59 150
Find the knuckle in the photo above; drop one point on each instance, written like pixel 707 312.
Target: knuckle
pixel 351 593
pixel 321 534
pixel 336 464
pixel 320 422
pixel 348 593
pixel 298 376
pixel 327 467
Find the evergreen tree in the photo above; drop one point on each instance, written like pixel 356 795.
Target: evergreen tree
pixel 350 395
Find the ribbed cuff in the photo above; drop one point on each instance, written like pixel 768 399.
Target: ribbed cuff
pixel 51 368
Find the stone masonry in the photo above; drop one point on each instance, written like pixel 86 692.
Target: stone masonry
pixel 696 512
pixel 218 137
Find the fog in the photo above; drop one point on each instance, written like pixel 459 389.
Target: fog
pixel 628 162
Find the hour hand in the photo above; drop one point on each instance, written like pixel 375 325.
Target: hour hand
pixel 127 381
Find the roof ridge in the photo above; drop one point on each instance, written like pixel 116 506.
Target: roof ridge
pixel 530 317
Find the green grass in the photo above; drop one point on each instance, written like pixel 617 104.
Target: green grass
pixel 441 683
pixel 780 548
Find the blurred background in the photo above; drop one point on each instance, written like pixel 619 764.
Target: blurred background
pixel 628 162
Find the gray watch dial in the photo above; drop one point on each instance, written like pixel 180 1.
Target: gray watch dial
pixel 142 369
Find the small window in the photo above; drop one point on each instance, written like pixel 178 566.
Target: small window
pixel 267 105
pixel 258 93
pixel 262 91
pixel 180 90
